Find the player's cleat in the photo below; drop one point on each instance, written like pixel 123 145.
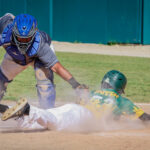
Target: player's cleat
pixel 21 108
pixel 3 108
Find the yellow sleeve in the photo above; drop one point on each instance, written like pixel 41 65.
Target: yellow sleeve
pixel 138 111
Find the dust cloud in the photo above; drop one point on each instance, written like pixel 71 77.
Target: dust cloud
pixel 91 123
pixel 105 123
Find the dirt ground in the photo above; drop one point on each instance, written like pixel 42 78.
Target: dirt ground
pixel 118 50
pixel 128 139
pixel 12 138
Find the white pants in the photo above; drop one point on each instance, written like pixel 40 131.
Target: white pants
pixel 69 117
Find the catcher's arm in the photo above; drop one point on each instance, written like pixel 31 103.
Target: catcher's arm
pixel 61 71
pixel 81 89
pixel 66 75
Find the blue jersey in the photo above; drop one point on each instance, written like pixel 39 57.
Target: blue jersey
pixel 40 47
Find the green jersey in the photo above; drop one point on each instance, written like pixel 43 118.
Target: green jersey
pixel 109 99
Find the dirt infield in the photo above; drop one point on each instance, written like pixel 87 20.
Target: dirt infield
pixel 49 140
pixel 118 50
pixel 128 139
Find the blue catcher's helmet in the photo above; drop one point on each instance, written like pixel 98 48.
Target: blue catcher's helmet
pixel 24 30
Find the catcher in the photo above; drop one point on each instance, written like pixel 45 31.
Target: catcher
pixel 25 45
pixel 107 99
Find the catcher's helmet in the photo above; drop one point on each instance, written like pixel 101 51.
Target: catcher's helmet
pixel 114 80
pixel 24 29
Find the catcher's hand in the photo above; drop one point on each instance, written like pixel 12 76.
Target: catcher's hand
pixel 82 92
pixel 82 86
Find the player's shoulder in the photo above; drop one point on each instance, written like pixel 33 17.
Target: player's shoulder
pixel 95 93
pixel 107 92
pixel 125 101
pixel 124 98
pixel 45 46
pixel 45 38
pixel 5 21
pixel 7 16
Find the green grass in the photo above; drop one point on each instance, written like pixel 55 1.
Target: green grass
pixel 88 69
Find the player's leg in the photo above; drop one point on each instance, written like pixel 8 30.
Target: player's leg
pixel 3 85
pixel 71 117
pixel 42 117
pixel 45 85
pixel 8 70
pixel 30 116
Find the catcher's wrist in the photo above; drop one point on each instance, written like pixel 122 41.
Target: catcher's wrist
pixel 73 83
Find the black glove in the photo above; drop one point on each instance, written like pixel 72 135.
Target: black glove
pixel 76 84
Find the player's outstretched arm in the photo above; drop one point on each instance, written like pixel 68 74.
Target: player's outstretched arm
pixel 66 75
pixel 81 89
pixel 61 71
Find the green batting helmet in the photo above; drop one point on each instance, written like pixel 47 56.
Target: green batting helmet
pixel 116 80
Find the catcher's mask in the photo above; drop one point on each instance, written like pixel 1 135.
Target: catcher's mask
pixel 114 80
pixel 24 30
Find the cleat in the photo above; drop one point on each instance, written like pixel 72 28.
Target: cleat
pixel 3 108
pixel 21 108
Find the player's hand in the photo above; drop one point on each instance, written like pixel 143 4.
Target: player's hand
pixel 82 92
pixel 82 86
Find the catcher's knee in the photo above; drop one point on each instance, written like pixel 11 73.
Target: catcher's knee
pixel 43 74
pixel 3 84
pixel 46 94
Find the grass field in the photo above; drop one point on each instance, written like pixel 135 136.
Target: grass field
pixel 88 69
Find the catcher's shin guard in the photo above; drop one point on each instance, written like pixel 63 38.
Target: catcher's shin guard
pixel 45 87
pixel 47 95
